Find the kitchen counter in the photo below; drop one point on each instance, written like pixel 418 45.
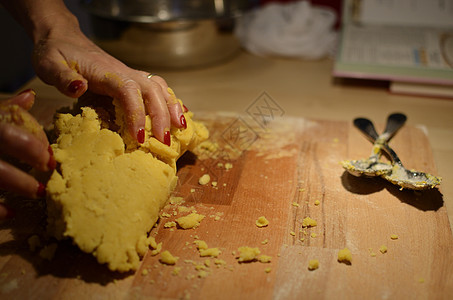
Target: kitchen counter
pixel 302 89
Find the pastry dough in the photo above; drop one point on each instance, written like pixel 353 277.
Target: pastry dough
pixel 106 198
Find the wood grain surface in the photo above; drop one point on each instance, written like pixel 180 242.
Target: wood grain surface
pixel 280 168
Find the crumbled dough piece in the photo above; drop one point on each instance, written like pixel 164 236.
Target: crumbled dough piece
pixel 170 224
pixel 201 245
pixel 247 254
pixel 313 235
pixel 313 264
pixel 383 249
pixel 262 222
pixel 219 262
pixel 317 202
pixel 156 249
pixel 292 233
pixel 176 200
pixel 264 258
pixel 98 197
pixel 394 236
pixel 345 256
pixel 228 166
pixel 212 252
pixel 268 270
pixel 145 272
pixel 265 242
pixel 295 204
pixel 309 222
pixel 204 179
pixel 190 221
pixel 176 271
pixel 167 258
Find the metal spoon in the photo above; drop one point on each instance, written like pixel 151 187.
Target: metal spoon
pixel 372 166
pixel 399 175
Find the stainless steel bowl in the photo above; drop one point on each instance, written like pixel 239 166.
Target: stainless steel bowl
pixel 153 11
pixel 167 33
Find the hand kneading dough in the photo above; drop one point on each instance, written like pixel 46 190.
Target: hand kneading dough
pixel 105 198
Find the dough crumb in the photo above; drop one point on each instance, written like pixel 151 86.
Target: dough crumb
pixel 190 221
pixel 167 258
pixel 317 202
pixel 170 224
pixel 201 245
pixel 203 180
pixel 212 252
pixel 228 166
pixel 268 270
pixel 394 236
pixel 295 204
pixel 261 222
pixel 345 256
pixel 313 264
pixel 265 242
pixel 309 222
pixel 247 254
pixel 383 249
pixel 264 259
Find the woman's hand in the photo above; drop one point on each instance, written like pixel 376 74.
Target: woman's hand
pixel 22 139
pixel 72 63
pixel 64 57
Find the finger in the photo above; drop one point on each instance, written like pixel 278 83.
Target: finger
pixel 19 182
pixel 174 107
pixel 127 92
pixel 55 70
pixel 24 99
pixel 156 107
pixel 25 146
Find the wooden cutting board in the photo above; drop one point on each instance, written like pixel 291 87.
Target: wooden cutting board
pixel 280 168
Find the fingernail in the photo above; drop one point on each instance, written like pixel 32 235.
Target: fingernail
pixel 167 138
pixel 185 108
pixel 28 91
pixel 74 86
pixel 141 135
pixel 183 121
pixel 52 163
pixel 41 192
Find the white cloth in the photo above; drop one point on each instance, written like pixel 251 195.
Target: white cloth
pixel 295 29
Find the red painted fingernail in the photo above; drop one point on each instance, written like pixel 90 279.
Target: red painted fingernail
pixel 167 138
pixel 41 192
pixel 141 135
pixel 185 108
pixel 28 91
pixel 183 121
pixel 52 163
pixel 74 86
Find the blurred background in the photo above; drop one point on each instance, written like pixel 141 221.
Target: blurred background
pixel 195 34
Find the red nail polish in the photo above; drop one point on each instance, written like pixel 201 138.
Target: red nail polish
pixel 41 192
pixel 183 121
pixel 141 135
pixel 74 86
pixel 167 138
pixel 185 108
pixel 52 163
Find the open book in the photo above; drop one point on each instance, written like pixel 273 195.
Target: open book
pixel 407 42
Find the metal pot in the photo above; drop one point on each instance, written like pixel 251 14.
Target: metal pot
pixel 167 33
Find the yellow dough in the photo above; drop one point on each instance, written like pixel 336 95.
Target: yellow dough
pixel 107 198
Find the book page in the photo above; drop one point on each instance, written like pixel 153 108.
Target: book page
pixel 432 13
